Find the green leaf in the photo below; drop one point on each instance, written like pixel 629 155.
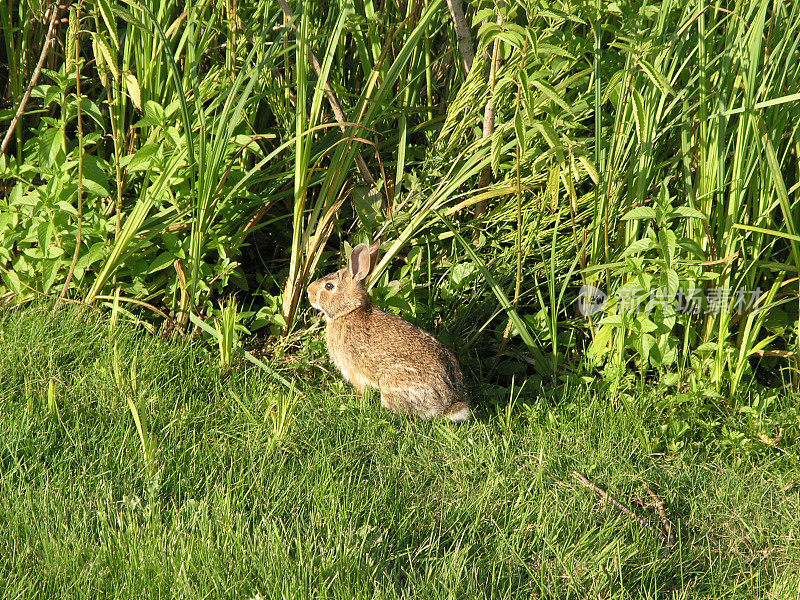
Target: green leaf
pixel 482 15
pixel 670 281
pixel 549 134
pixel 611 320
pixel 461 274
pixel 51 142
pixel 512 38
pixel 692 246
pixel 95 253
pixel 783 234
pixel 519 130
pixel 132 85
pixel 141 160
pixel 153 110
pixel 64 206
pixel 95 179
pixel 88 107
pixel 497 151
pixel 668 241
pixel 128 17
pixel 110 20
pixel 686 211
pixel 656 77
pixel 162 261
pixel 640 117
pixel 49 273
pixel 639 213
pixel 368 202
pixel 549 91
pixel 44 237
pixel 103 51
pixel 552 50
pixel 638 246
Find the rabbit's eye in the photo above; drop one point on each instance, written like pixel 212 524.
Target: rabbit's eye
pixel 329 286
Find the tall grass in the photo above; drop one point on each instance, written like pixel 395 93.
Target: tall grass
pixel 699 110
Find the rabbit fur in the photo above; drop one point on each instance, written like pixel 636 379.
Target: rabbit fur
pixel 415 373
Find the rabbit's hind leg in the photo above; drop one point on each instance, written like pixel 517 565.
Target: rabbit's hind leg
pixel 408 402
pixel 393 401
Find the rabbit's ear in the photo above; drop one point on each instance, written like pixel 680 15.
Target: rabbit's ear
pixel 360 262
pixel 373 255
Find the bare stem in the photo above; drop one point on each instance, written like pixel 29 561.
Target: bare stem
pixel 488 118
pixel 463 37
pixel 38 71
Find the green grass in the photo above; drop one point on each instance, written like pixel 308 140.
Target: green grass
pixel 254 491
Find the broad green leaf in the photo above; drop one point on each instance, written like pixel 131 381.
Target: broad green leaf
pixel 668 241
pixel 483 14
pixel 368 203
pixel 49 273
pixel 612 320
pixel 142 159
pixel 51 142
pixel 686 211
pixel 638 246
pixel 639 213
pixel 95 179
pixel 64 206
pixel 91 256
pixel 162 261
pixel 670 281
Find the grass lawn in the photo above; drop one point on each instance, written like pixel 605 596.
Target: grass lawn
pixel 253 492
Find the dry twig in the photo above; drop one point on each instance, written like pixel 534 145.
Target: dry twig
pixel 670 541
pixel 38 71
pixel 665 539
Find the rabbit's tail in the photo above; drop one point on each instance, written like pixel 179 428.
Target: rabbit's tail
pixel 458 411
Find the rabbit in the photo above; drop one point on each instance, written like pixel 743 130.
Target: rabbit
pixel 415 373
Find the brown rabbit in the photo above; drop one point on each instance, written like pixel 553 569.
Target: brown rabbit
pixel 414 372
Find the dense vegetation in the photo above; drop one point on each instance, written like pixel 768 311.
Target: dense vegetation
pixel 169 157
